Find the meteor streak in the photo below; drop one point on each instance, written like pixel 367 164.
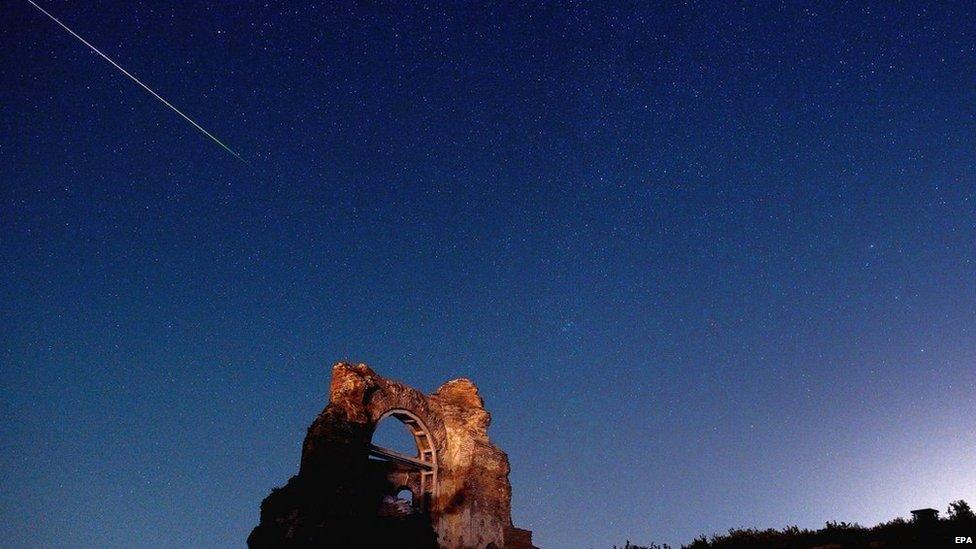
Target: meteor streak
pixel 137 81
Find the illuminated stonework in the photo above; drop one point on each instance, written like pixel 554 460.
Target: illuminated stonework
pixel 345 491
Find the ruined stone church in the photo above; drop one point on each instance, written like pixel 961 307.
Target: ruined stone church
pixel 345 492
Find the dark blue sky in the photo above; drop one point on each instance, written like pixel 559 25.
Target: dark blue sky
pixel 711 266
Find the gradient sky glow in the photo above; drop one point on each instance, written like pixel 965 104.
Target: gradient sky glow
pixel 710 265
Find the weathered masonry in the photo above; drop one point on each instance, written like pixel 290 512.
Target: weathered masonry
pixel 345 494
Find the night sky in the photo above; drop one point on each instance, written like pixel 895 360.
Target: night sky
pixel 710 266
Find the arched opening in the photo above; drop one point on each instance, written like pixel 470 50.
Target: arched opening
pixel 409 461
pixel 394 435
pixel 405 495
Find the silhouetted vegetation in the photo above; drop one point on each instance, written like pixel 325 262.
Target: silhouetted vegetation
pixel 960 521
pixel 960 511
pixel 629 545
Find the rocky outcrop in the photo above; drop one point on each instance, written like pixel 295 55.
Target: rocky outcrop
pixel 343 498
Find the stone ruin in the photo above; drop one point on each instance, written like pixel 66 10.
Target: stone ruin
pixel 344 494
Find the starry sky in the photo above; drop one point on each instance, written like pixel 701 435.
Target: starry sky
pixel 711 264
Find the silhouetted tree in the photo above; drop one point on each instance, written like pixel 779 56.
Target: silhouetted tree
pixel 960 510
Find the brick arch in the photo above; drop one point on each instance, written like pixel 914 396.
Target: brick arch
pixel 426 449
